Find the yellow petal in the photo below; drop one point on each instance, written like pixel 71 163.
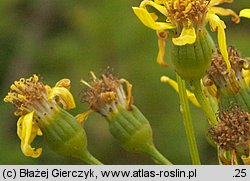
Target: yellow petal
pixel 160 8
pixel 39 132
pixel 48 89
pixel 161 53
pixel 27 132
pixel 62 95
pixel 148 21
pixel 159 1
pixel 83 116
pixel 217 2
pixel 63 83
pixel 245 13
pixel 246 74
pixel 187 36
pixel 162 37
pixel 154 16
pixel 245 159
pixel 226 12
pixel 217 24
pixel 174 85
pixel 129 96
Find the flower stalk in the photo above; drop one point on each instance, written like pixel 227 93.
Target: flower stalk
pixel 185 110
pixel 134 133
pixel 204 102
pixel 157 156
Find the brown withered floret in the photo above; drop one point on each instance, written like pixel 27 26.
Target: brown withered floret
pixel 106 84
pixel 107 94
pixel 217 74
pixel 233 128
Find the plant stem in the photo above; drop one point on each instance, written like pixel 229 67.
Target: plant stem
pixel 205 106
pixel 157 156
pixel 88 158
pixel 185 110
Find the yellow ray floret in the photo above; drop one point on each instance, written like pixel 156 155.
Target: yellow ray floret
pixel 245 13
pixel 225 12
pixel 34 101
pixel 174 85
pixel 217 2
pixel 129 97
pixel 83 116
pixel 218 25
pixel 187 36
pixel 156 5
pixel 63 83
pixel 246 75
pixel 246 159
pixel 162 38
pixel 27 132
pixel 64 96
pixel 161 52
pixel 186 19
pixel 148 21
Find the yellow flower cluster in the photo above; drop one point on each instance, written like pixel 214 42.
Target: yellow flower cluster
pixel 185 19
pixel 34 102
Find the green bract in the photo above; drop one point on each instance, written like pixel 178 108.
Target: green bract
pixel 65 135
pixel 191 61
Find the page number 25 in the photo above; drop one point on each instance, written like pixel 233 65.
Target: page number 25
pixel 240 172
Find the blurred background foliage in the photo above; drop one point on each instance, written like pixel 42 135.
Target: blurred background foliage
pixel 66 39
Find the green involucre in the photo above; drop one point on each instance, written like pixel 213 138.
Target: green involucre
pixel 66 136
pixel 192 61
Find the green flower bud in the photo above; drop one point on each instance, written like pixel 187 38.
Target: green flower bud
pixel 126 123
pixel 191 61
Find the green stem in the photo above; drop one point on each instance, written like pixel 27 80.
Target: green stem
pixel 188 122
pixel 205 106
pixel 90 159
pixel 157 156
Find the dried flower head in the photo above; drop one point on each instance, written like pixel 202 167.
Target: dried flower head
pixel 106 94
pixel 233 129
pixel 217 74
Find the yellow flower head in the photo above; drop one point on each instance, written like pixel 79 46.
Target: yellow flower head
pixel 106 94
pixel 184 20
pixel 35 103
